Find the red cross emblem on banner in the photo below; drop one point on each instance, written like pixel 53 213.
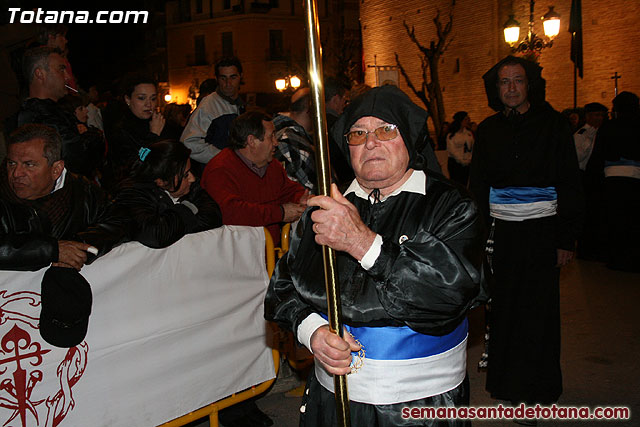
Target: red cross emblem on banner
pixel 21 355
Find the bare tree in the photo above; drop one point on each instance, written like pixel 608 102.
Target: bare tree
pixel 430 92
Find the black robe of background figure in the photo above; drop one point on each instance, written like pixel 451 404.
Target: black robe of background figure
pixel 532 149
pixel 618 156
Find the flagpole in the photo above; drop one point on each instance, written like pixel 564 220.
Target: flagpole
pixel 323 168
pixel 575 85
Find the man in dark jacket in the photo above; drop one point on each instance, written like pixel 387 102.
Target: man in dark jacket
pixel 525 177
pixel 45 70
pixel 409 247
pixel 48 215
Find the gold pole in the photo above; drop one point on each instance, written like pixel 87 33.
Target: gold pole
pixel 323 168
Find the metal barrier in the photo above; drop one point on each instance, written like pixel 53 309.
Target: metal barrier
pixel 284 241
pixel 212 410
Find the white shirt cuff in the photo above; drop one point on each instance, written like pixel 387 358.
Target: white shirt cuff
pixel 307 327
pixel 372 254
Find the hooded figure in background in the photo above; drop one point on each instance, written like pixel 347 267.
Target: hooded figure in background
pixel 619 144
pixel 525 177
pixel 409 248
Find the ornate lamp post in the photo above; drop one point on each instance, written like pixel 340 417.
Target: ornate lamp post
pixel 288 82
pixel 532 44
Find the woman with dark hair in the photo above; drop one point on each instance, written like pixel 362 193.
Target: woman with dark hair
pixel 459 146
pixel 163 198
pixel 140 125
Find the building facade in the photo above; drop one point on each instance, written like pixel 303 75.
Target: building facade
pixel 610 35
pixel 267 36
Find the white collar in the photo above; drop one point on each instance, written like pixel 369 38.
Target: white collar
pixel 415 184
pixel 173 199
pixel 60 181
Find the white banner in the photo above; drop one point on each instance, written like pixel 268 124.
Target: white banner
pixel 171 330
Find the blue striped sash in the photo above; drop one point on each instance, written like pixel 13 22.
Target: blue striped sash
pixel 522 203
pixel 402 342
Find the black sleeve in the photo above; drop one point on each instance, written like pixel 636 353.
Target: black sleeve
pixel 23 245
pixel 429 281
pixel 209 215
pixel 156 224
pixel 113 228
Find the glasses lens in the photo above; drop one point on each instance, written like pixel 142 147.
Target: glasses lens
pixel 356 137
pixel 383 133
pixel 387 132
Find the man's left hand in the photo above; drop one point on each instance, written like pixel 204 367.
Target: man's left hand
pixel 564 257
pixel 338 225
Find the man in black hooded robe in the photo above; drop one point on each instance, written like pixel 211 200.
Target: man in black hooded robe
pixel 409 247
pixel 525 177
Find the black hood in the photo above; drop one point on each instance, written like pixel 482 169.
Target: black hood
pixel 393 106
pixel 537 84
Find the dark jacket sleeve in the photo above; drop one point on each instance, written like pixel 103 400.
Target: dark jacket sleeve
pixel 112 228
pixel 108 225
pixel 209 215
pixel 23 245
pixel 429 282
pixel 157 222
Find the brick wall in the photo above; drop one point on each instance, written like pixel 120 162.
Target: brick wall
pixel 611 32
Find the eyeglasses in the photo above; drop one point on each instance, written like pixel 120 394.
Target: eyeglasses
pixel 383 133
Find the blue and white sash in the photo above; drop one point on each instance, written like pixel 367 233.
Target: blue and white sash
pixel 401 365
pixel 522 203
pixel 623 167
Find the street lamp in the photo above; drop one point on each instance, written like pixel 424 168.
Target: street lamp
pixel 532 44
pixel 289 81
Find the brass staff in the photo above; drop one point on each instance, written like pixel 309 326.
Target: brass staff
pixel 323 167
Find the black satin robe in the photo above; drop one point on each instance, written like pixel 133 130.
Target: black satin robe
pixel 534 149
pixel 427 282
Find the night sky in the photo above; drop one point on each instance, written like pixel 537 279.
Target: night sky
pixel 100 53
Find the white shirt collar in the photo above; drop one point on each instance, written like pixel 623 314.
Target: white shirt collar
pixel 173 199
pixel 415 184
pixel 60 181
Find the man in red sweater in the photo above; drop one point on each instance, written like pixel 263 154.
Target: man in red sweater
pixel 250 188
